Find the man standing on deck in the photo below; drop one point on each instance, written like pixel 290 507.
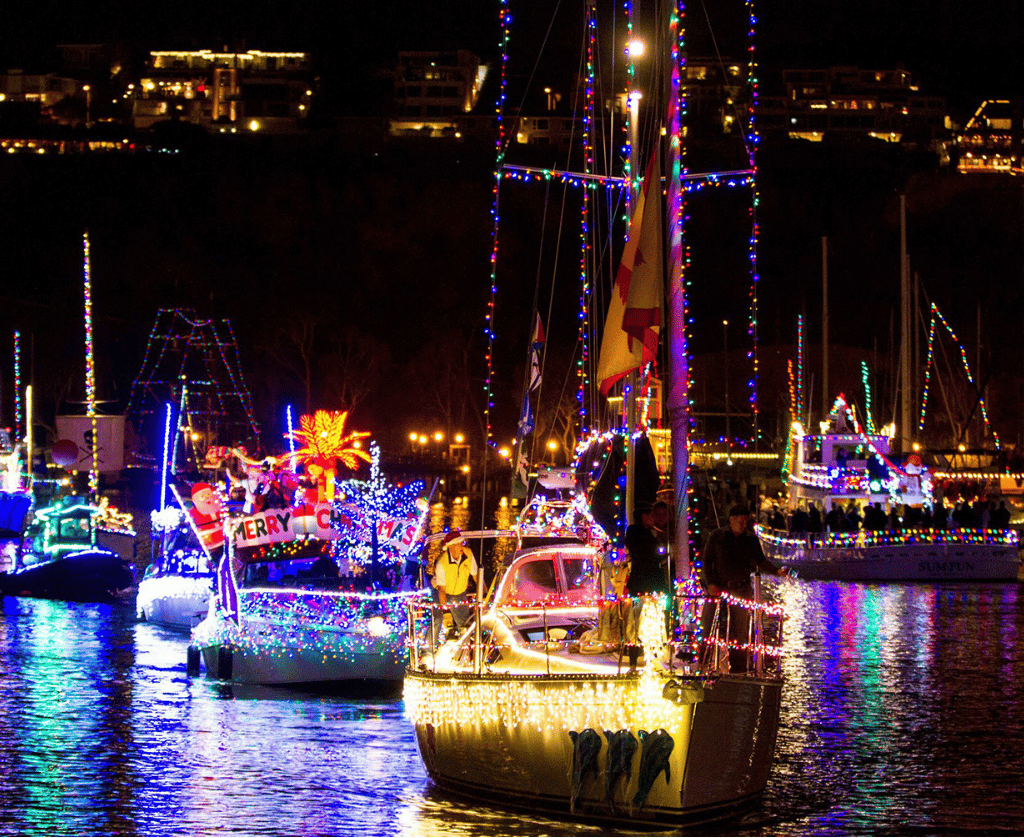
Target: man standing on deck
pixel 647 555
pixel 455 575
pixel 732 553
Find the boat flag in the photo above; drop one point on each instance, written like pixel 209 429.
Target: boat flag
pixel 525 419
pixel 631 331
pixel 536 342
pixel 227 588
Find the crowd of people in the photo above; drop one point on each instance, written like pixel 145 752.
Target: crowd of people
pixel 873 517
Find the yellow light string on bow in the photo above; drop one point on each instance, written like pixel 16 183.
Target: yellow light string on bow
pixel 550 704
pixel 90 371
pixel 553 703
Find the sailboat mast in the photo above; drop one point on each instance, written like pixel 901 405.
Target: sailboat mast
pixel 824 329
pixel 90 372
pixel 905 340
pixel 677 399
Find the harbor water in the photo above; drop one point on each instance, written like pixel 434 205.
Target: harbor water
pixel 903 712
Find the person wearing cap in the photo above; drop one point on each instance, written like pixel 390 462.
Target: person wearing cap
pixel 455 574
pixel 731 555
pixel 647 556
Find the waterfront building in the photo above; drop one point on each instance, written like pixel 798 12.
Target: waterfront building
pixel 269 92
pixel 851 103
pixel 44 89
pixel 992 139
pixel 432 90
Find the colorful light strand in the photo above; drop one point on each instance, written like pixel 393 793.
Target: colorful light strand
pixel 17 387
pixel 90 370
pixel 753 140
pixel 499 151
pixel 166 461
pixel 967 370
pixel 583 363
pixel 799 367
pixel 867 396
pixel 927 372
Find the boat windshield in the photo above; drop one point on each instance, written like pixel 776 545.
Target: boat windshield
pixel 554 576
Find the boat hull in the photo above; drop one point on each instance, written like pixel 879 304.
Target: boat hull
pixel 175 602
pixel 926 562
pixel 378 662
pixel 90 576
pixel 718 767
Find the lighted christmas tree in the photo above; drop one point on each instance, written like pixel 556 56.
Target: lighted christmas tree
pixel 381 523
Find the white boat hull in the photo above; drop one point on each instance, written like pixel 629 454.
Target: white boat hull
pixel 175 602
pixel 891 563
pixel 718 767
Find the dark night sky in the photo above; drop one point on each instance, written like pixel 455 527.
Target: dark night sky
pixel 967 49
pixel 146 230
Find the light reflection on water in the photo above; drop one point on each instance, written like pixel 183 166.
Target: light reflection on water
pixel 902 712
pixel 903 709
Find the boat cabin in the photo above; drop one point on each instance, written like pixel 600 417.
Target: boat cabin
pixel 555 575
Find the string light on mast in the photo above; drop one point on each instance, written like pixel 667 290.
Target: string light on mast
pixel 90 371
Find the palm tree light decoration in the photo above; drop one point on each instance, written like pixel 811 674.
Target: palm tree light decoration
pixel 326 443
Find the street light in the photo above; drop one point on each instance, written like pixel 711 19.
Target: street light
pixel 88 105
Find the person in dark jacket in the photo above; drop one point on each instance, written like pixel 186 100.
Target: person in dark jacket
pixel 731 555
pixel 649 572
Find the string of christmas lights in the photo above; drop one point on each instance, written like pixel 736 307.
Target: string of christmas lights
pixel 867 396
pixel 17 388
pixel 925 391
pixel 753 140
pixel 889 538
pixel 499 151
pixel 90 369
pixel 799 367
pixel 793 418
pixel 583 363
pixel 967 370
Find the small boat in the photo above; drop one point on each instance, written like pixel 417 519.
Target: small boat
pixel 559 698
pixel 176 589
pixel 57 555
pixel 293 621
pixel 846 463
pixel 299 594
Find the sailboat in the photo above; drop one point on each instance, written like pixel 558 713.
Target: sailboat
pixel 191 381
pixel 567 696
pixel 53 542
pixel 848 465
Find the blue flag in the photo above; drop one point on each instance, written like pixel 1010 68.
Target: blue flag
pixel 525 418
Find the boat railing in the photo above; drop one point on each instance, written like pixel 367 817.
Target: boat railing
pixel 792 545
pixel 730 634
pixel 700 636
